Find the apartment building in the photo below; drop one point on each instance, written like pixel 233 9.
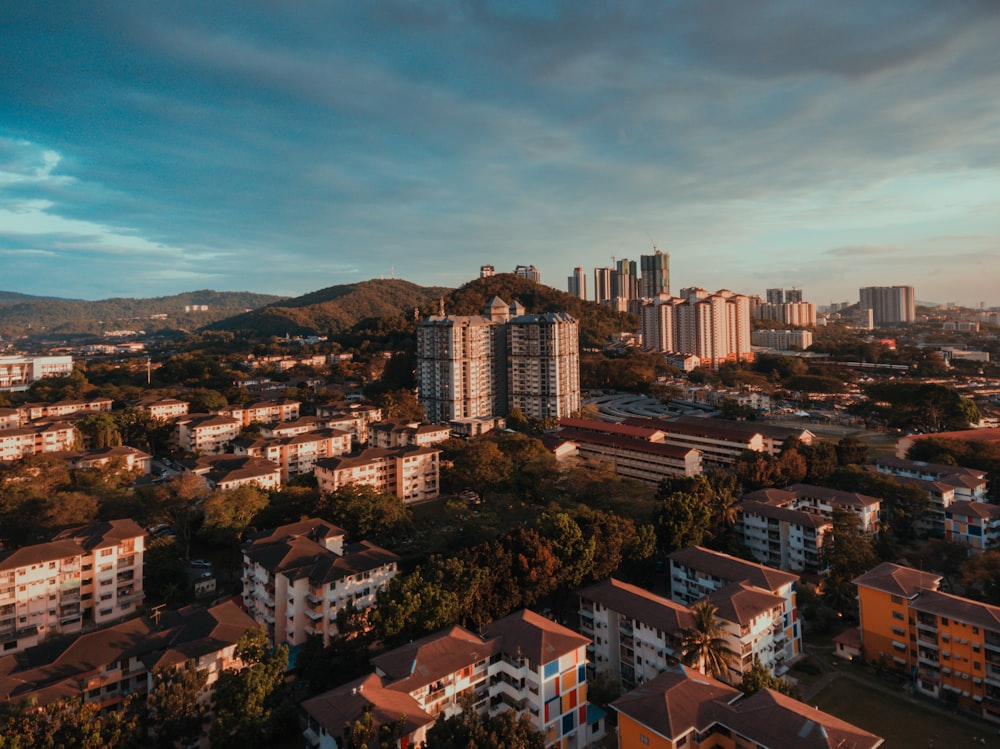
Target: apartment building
pixel 682 709
pixel 543 365
pixel 480 366
pixel 82 577
pixel 106 666
pixel 10 418
pixel 65 408
pixel 34 439
pixel 403 433
pixel 719 444
pixel 226 472
pixel 206 433
pixel 783 340
pixel 577 283
pixel 128 458
pixel 631 451
pixel 968 483
pixel 714 327
pixel 889 305
pixel 411 473
pixel 297 454
pixel 20 372
pixel 457 372
pixel 819 500
pixel 654 274
pixel 950 645
pixel 162 408
pixel 298 577
pixel 974 524
pixel 785 313
pixel 301 425
pixel 523 662
pixel 353 418
pixel 786 538
pixel 697 572
pixel 265 412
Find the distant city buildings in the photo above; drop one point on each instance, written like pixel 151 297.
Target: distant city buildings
pixel 577 283
pixel 889 305
pixel 654 274
pixel 782 339
pixel 713 327
pixel 529 272
pixel 480 366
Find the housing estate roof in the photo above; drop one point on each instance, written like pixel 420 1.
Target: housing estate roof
pixel 626 443
pixel 72 542
pixel 741 603
pixel 641 605
pixel 531 635
pixel 612 428
pixel 431 658
pixel 732 569
pixel 941 469
pixel 796 517
pixel 983 510
pixel 311 528
pixel 955 607
pixel 371 454
pixel 344 705
pixel 696 427
pixel 834 496
pixel 771 431
pixel 898 580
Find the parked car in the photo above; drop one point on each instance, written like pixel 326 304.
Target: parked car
pixel 200 563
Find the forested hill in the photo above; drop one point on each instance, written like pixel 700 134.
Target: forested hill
pixel 21 314
pixel 597 321
pixel 339 309
pixel 335 309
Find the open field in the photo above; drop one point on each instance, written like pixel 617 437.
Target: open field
pixel 902 723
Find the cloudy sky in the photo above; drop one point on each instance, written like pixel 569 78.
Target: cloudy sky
pixel 148 148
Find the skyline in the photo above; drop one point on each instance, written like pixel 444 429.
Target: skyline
pixel 148 150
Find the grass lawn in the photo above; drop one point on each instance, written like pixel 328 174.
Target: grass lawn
pixel 903 724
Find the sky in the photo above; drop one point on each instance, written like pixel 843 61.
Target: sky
pixel 150 148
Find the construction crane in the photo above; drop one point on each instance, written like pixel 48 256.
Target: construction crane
pixel 652 242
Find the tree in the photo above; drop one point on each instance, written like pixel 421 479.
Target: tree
pixel 71 724
pixel 365 733
pixel 174 712
pixel 229 513
pixel 99 430
pixel 574 551
pixel 180 500
pixel 851 451
pixel 682 520
pixel 410 606
pixel 470 730
pixel 364 512
pixel 981 577
pixel 704 644
pixel 479 465
pixel 758 677
pixel 850 553
pixel 251 707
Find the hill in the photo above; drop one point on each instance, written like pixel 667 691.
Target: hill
pixel 21 314
pixel 342 310
pixel 334 310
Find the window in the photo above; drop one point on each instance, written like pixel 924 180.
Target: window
pixel 897 615
pixel 643 738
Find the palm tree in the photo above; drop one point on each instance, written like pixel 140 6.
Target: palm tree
pixel 704 645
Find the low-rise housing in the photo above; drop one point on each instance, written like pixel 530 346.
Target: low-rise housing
pixel 224 472
pixel 298 577
pixel 403 433
pixel 265 412
pixel 354 418
pixel 948 645
pixel 697 572
pixel 83 577
pixel 968 483
pixel 206 433
pixel 411 473
pixel 299 454
pixel 523 662
pixel 105 666
pixel 682 708
pixel 20 442
pixel 19 372
pixel 64 409
pixel 974 524
pixel 162 408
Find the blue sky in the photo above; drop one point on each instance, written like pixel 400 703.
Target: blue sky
pixel 148 148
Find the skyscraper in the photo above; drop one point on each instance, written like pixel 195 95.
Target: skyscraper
pixel 793 296
pixel 654 275
pixel 543 365
pixel 714 327
pixel 455 367
pixel 775 296
pixel 577 283
pixel 890 305
pixel 602 285
pixel 626 280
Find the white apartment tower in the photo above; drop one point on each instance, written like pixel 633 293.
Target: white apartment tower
pixel 543 365
pixel 455 369
pixel 714 327
pixel 577 283
pixel 890 305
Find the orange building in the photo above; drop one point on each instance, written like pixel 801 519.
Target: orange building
pixel 949 645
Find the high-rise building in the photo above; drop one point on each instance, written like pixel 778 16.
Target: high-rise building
pixel 455 367
pixel 775 296
pixel 793 296
pixel 528 271
pixel 602 285
pixel 577 283
pixel 714 327
pixel 654 274
pixel 625 280
pixel 478 366
pixel 543 365
pixel 890 305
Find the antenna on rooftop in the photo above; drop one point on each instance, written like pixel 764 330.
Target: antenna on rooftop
pixel 154 614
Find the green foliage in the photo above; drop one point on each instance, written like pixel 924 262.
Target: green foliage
pixel 470 730
pixel 99 430
pixel 815 384
pixel 574 551
pixel 919 406
pixel 635 372
pixel 980 576
pixel 71 724
pixel 758 677
pixel 230 513
pixel 682 520
pixel 410 606
pixel 903 505
pixel 173 710
pixel 704 645
pixel 365 513
pixel 251 707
